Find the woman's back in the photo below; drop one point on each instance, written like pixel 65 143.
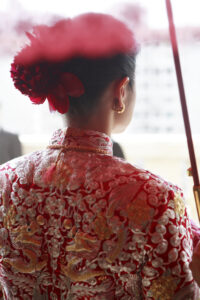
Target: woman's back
pixel 99 228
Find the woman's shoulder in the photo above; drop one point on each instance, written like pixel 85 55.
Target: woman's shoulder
pixel 144 175
pixel 30 167
pixel 22 168
pixel 18 162
pixel 145 188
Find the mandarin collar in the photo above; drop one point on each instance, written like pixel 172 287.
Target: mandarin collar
pixel 75 137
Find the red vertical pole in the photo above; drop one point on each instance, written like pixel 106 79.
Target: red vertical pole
pixel 184 105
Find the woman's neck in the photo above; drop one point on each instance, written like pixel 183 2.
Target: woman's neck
pixel 96 125
pixel 101 121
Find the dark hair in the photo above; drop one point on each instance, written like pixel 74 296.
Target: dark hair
pixel 96 75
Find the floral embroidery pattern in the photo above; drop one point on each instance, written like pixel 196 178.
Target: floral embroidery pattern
pixel 100 229
pixel 163 288
pixel 179 205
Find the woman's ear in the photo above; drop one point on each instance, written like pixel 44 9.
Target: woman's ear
pixel 120 90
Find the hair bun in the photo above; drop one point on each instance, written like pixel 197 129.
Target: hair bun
pixel 36 70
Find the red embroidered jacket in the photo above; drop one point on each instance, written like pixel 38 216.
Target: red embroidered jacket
pixel 100 229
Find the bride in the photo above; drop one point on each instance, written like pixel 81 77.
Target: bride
pixel 76 222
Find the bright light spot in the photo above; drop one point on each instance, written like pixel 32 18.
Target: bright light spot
pixel 3 5
pixel 186 13
pixel 64 7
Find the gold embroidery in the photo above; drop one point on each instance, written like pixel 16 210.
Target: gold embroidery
pixel 121 196
pixel 163 288
pixel 26 267
pixel 26 234
pixel 61 174
pixel 83 242
pixel 40 220
pixel 67 224
pixel 72 272
pixel 101 228
pixel 179 205
pixel 9 219
pixel 118 247
pixel 79 149
pixel 102 278
pixel 72 232
pixel 138 212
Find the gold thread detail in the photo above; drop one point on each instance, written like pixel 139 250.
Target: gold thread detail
pixel 179 205
pixel 71 271
pixel 78 148
pixel 163 288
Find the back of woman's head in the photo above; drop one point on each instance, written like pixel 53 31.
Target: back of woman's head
pixel 96 75
pixel 92 50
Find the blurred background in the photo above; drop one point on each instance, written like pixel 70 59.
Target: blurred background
pixel 155 139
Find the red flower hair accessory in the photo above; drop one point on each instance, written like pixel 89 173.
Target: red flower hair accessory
pixel 41 81
pixel 36 69
pixel 69 85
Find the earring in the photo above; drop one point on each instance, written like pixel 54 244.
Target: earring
pixel 120 110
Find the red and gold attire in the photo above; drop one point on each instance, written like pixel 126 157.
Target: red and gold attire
pixel 100 229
